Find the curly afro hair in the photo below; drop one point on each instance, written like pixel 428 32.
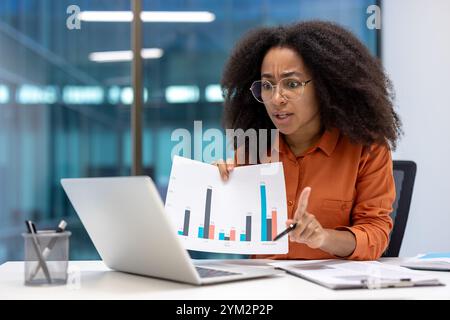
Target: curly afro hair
pixel 353 91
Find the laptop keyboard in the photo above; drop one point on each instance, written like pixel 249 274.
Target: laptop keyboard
pixel 208 273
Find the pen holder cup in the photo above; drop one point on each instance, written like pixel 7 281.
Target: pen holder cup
pixel 50 267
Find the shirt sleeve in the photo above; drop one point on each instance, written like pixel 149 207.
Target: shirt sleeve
pixel 375 193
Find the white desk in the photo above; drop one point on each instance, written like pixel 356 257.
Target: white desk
pixel 98 282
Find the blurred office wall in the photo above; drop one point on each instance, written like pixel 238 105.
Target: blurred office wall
pixel 65 114
pixel 416 55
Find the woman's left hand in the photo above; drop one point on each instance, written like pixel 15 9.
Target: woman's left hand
pixel 308 231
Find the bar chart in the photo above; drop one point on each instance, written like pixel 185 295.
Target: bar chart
pixel 207 229
pixel 242 215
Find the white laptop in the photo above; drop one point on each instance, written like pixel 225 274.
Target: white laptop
pixel 127 223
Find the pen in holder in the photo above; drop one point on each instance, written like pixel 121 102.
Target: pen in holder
pixel 46 257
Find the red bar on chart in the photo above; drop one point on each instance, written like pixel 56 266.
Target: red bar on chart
pixel 211 232
pixel 233 235
pixel 274 223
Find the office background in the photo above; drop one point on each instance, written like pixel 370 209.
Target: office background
pixel 415 52
pixel 63 114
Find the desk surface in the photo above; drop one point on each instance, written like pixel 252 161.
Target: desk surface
pixel 99 282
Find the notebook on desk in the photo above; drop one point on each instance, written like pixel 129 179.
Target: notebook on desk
pixel 342 274
pixel 437 261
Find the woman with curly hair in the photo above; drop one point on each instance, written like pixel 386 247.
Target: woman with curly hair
pixel 333 107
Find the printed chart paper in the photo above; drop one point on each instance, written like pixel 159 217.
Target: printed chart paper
pixel 241 215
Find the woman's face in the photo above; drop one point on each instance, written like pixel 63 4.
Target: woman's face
pixel 289 116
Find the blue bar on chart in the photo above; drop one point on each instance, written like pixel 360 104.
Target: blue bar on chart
pixel 221 236
pixel 187 215
pixel 200 232
pixel 207 213
pixel 242 237
pixel 180 232
pixel 263 212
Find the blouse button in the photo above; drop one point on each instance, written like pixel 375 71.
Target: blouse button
pixel 290 202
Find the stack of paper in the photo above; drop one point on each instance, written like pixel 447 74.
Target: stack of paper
pixel 343 274
pixel 429 261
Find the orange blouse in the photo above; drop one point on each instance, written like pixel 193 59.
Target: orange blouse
pixel 352 188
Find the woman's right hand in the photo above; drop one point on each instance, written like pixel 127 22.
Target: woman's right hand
pixel 225 168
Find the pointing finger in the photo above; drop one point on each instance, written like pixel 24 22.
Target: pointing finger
pixel 303 203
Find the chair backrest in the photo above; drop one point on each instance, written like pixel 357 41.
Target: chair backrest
pixel 404 176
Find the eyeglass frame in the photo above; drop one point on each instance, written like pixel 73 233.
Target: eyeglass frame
pixel 302 83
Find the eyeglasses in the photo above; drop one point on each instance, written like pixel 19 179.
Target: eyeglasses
pixel 290 89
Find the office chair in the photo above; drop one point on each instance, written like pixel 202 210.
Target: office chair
pixel 404 176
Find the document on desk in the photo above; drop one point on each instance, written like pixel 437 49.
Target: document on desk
pixel 343 274
pixel 241 215
pixel 437 261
